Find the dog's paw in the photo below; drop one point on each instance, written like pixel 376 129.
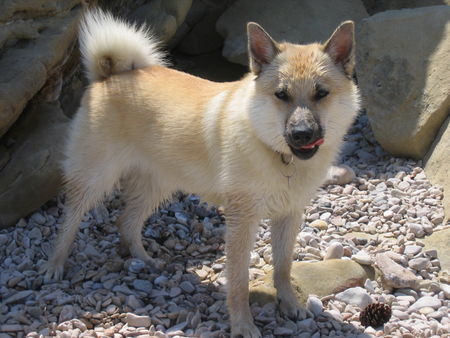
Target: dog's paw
pixel 292 309
pixel 245 330
pixel 51 271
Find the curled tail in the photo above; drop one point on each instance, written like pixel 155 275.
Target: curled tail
pixel 110 45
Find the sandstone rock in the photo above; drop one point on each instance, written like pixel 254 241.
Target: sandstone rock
pixel 319 278
pixel 32 176
pixel 375 6
pixel 36 46
pixel 404 78
pixel 437 163
pixel 439 241
pixel 393 274
pixel 298 22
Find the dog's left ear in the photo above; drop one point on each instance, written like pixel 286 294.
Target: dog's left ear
pixel 262 49
pixel 340 47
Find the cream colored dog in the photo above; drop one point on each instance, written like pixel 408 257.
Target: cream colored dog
pixel 260 146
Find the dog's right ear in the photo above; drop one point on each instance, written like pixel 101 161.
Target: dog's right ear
pixel 262 49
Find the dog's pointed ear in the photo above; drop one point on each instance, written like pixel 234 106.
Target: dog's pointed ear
pixel 262 49
pixel 340 46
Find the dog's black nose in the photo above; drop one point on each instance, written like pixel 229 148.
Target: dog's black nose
pixel 302 135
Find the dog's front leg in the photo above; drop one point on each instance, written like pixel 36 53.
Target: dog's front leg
pixel 284 233
pixel 242 223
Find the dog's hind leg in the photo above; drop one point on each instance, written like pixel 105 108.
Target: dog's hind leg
pixel 82 194
pixel 284 233
pixel 142 196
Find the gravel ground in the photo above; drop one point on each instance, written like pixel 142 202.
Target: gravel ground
pixel 104 294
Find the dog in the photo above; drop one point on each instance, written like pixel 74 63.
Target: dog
pixel 260 146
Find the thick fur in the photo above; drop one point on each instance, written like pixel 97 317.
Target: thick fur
pixel 164 130
pixel 111 46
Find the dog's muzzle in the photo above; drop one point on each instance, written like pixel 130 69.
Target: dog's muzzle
pixel 304 142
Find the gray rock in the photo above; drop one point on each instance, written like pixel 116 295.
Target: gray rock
pixel 46 42
pixel 314 305
pixel 67 312
pixel 412 250
pixel 284 20
pixel 35 234
pixel 187 286
pixel 165 16
pixel 136 265
pixel 283 331
pixel 134 302
pixel 174 292
pixel 419 263
pixel 18 296
pixel 142 285
pixel 32 175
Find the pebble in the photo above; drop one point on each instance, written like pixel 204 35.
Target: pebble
pixel 419 263
pixel 174 292
pixel 334 251
pixel 136 265
pixel 426 301
pixel 355 296
pixel 314 305
pixel 362 257
pixel 142 285
pixel 137 321
pixel 187 286
pixel 412 250
pixel 319 224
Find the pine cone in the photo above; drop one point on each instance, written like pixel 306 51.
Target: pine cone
pixel 375 315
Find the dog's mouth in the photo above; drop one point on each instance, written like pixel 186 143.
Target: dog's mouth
pixel 307 151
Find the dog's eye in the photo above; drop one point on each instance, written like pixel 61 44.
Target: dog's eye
pixel 282 95
pixel 320 94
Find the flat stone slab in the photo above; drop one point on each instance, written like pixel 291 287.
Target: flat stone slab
pixel 319 278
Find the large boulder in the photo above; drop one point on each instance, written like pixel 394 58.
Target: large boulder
pixel 375 6
pixel 439 241
pixel 294 21
pixel 163 16
pixel 31 176
pixel 200 36
pixel 33 45
pixel 404 77
pixel 437 163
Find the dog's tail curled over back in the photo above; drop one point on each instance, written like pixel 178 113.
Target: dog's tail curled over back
pixel 110 45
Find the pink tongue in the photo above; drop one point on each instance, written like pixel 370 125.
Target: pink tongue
pixel 313 144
